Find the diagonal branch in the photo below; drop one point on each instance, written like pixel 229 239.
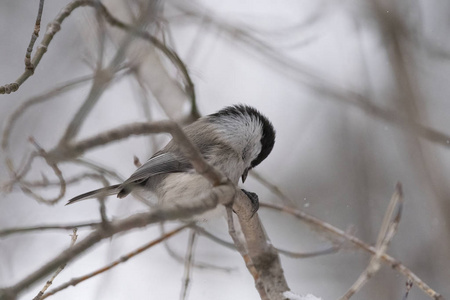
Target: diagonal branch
pixel 338 233
pixel 59 270
pixel 220 194
pixel 77 280
pixel 245 255
pixel 52 28
pixel 189 150
pixel 387 232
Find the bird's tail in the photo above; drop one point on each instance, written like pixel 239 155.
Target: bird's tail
pixel 103 192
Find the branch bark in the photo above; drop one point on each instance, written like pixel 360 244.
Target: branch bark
pixel 263 255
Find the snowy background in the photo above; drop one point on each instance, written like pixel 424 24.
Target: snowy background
pixel 301 63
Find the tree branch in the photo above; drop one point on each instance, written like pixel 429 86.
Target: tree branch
pixel 221 194
pixel 52 28
pixel 338 233
pixel 387 232
pixel 62 153
pixel 77 280
pixel 34 36
pixel 262 254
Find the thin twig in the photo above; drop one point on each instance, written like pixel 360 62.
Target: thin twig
pixel 49 95
pixel 273 188
pixel 18 175
pixel 336 232
pixel 186 146
pixel 189 260
pixel 77 280
pixel 101 36
pixel 144 100
pixel 39 296
pixel 387 232
pixel 102 207
pixel 214 238
pixel 13 118
pixel 106 171
pixel 325 251
pixel 102 79
pixel 98 168
pixel 34 36
pixel 16 230
pixel 170 54
pixel 220 194
pixel 52 28
pixel 196 264
pixel 53 165
pixel 72 180
pixel 55 26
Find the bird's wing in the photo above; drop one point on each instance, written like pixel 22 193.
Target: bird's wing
pixel 161 163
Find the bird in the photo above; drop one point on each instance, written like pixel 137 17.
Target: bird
pixel 234 140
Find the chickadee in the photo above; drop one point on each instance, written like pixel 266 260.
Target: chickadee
pixel 233 140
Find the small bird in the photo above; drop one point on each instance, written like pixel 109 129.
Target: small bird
pixel 233 140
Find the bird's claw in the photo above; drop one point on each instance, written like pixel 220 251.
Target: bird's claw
pixel 254 199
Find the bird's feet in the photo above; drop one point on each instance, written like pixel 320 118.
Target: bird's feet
pixel 254 199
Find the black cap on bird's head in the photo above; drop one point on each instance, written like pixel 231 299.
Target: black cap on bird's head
pixel 267 140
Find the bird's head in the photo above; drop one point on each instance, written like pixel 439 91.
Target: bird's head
pixel 249 132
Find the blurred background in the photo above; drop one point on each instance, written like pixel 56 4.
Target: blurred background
pixel 357 91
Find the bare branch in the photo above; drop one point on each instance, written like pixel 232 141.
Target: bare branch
pixel 171 55
pixel 325 251
pixel 220 194
pixel 77 280
pixel 58 174
pixel 49 95
pixel 102 79
pixel 98 168
pixel 189 261
pixel 75 179
pixel 273 188
pixel 243 251
pixel 196 264
pixel 262 254
pixel 17 175
pixel 387 232
pixel 59 270
pixel 55 26
pixel 188 149
pixel 17 230
pixel 52 28
pixel 338 233
pixel 34 36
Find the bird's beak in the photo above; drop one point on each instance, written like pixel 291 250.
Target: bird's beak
pixel 244 175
